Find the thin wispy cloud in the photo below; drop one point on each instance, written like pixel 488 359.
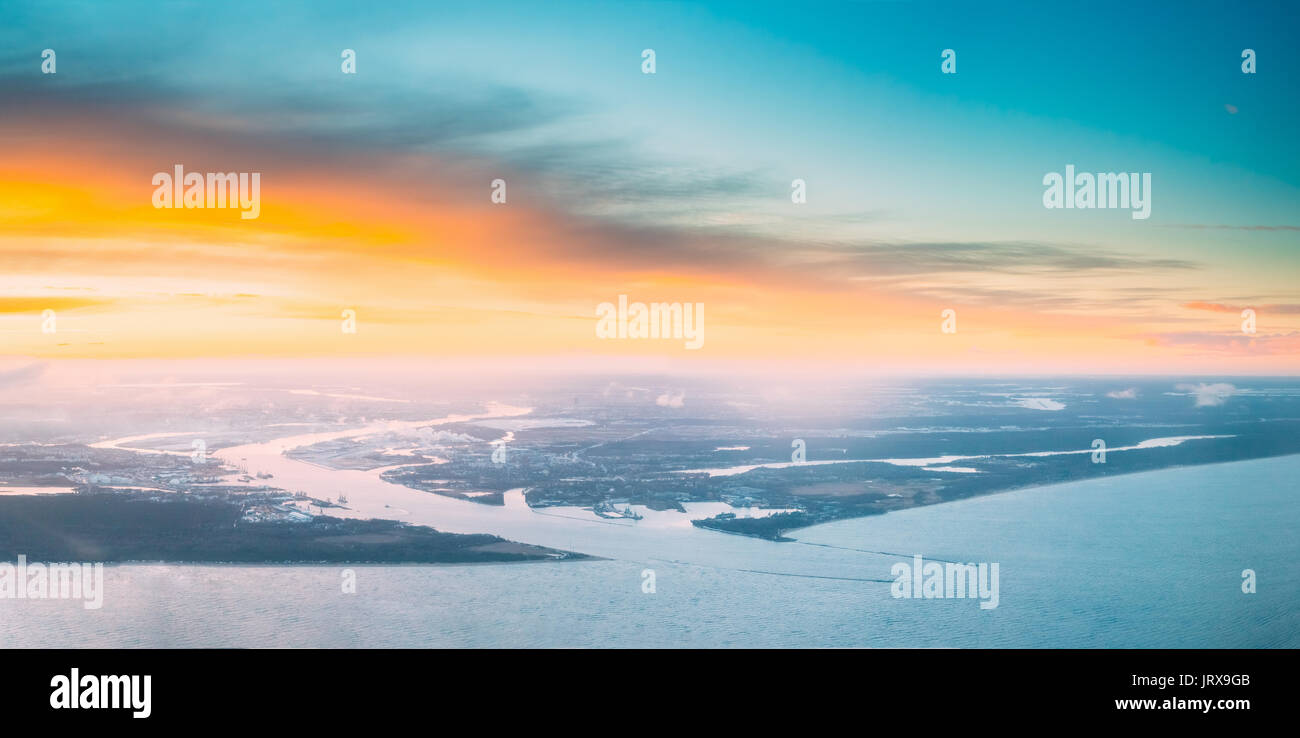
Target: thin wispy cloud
pixel 1222 227
pixel 1218 307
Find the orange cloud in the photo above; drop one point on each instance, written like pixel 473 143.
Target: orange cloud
pixel 412 243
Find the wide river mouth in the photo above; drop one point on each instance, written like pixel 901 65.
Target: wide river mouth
pixel 659 536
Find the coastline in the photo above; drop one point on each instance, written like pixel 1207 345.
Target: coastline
pixel 135 528
pixel 1066 560
pixel 782 538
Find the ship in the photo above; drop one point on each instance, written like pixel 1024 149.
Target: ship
pixel 606 509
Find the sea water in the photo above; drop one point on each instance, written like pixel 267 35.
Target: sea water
pixel 1143 560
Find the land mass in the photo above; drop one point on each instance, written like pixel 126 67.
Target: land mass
pixel 124 526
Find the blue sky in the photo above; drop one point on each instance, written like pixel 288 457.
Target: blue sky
pixel 902 163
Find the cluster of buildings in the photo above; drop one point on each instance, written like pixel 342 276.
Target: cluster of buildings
pixel 268 513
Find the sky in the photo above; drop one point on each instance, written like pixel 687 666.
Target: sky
pixel 924 190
